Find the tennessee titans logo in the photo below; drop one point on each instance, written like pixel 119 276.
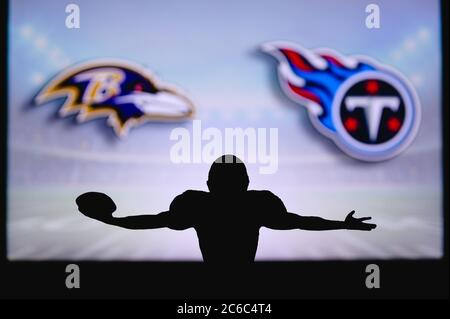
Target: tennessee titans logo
pixel 124 93
pixel 369 110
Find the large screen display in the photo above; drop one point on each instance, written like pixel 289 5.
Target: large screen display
pixel 332 106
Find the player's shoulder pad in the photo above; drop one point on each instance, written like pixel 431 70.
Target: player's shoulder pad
pixel 193 193
pixel 264 194
pixel 268 198
pixel 189 196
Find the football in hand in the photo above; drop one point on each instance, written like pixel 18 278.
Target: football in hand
pixel 96 205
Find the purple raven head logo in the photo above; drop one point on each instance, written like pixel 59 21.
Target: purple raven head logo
pixel 124 93
pixel 369 110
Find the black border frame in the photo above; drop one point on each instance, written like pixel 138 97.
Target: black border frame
pixel 400 278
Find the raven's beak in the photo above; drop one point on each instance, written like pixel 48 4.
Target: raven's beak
pixel 163 104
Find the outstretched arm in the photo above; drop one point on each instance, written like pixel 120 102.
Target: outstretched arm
pixel 160 220
pixel 100 207
pixel 139 221
pixel 294 221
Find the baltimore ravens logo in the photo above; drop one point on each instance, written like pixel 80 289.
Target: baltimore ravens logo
pixel 369 110
pixel 124 93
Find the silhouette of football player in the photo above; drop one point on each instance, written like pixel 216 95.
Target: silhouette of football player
pixel 227 219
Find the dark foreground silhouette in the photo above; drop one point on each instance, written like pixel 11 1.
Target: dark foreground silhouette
pixel 227 219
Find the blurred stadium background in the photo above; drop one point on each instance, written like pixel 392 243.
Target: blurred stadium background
pixel 211 51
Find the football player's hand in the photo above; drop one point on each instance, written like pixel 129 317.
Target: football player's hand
pixel 357 223
pixel 96 205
